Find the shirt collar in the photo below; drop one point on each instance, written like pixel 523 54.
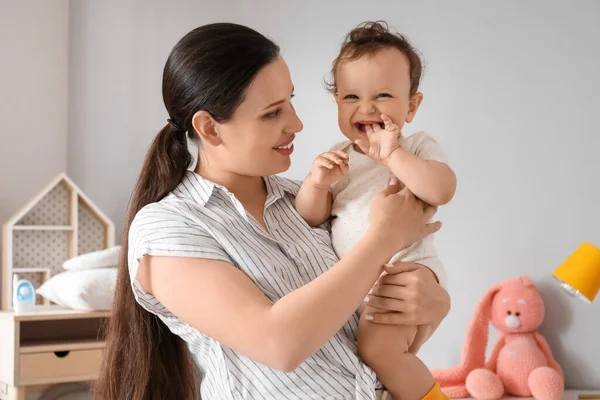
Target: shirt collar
pixel 201 189
pixel 197 187
pixel 278 186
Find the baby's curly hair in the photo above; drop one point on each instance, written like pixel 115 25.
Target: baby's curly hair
pixel 367 39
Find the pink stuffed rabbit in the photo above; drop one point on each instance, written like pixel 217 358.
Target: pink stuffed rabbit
pixel 521 363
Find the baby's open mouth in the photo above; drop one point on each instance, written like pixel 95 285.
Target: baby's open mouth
pixel 361 125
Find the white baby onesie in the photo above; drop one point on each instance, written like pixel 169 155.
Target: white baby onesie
pixel 352 201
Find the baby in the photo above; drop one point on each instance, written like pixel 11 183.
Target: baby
pixel 375 84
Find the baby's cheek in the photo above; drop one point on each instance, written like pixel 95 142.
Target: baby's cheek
pixel 344 112
pixel 397 111
pixel 344 121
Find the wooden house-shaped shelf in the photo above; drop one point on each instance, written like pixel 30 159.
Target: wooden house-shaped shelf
pixel 59 223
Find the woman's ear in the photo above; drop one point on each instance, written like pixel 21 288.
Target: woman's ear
pixel 206 128
pixel 413 106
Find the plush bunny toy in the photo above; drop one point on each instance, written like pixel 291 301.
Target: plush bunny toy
pixel 521 363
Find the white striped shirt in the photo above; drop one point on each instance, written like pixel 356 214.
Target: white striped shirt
pixel 204 220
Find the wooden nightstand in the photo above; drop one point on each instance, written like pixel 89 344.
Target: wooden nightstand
pixel 49 346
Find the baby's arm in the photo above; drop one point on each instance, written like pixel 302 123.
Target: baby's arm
pixel 314 200
pixel 431 181
pixel 313 203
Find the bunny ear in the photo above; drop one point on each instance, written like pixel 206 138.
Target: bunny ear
pixel 473 355
pixel 526 281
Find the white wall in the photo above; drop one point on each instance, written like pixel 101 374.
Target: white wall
pixel 511 91
pixel 34 39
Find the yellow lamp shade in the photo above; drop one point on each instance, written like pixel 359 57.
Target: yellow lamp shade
pixel 580 273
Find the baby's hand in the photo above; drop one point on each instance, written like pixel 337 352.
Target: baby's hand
pixel 380 143
pixel 329 168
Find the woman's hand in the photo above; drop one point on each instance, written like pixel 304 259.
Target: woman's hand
pixel 409 294
pixel 399 219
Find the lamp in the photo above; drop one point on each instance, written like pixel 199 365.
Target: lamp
pixel 579 275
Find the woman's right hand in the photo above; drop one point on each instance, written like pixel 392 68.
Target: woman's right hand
pixel 399 218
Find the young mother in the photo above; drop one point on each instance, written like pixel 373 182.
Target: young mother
pixel 223 290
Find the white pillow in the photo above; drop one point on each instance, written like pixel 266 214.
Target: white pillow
pixel 92 289
pixel 96 259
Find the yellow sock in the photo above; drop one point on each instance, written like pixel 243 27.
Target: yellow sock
pixel 435 393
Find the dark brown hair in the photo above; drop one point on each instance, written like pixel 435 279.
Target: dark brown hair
pixel 366 40
pixel 208 69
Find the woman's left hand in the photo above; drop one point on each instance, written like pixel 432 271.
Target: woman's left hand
pixel 408 294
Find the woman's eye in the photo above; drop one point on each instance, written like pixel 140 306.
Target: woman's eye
pixel 273 114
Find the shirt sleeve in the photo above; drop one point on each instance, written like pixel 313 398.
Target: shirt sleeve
pixel 158 230
pixel 425 146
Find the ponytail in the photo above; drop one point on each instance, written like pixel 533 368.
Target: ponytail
pixel 143 360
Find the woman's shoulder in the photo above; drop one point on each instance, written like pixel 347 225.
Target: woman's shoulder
pixel 164 209
pixel 181 204
pixel 166 215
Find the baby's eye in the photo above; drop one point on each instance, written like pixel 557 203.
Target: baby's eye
pixel 384 95
pixel 351 97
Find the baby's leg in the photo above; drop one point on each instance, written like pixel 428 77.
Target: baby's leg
pixel 384 348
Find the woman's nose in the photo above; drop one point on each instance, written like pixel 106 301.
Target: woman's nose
pixel 295 125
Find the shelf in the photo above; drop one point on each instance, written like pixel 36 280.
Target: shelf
pixel 26 270
pixel 45 313
pixel 47 346
pixel 43 228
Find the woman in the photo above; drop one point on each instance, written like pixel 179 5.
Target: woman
pixel 235 289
